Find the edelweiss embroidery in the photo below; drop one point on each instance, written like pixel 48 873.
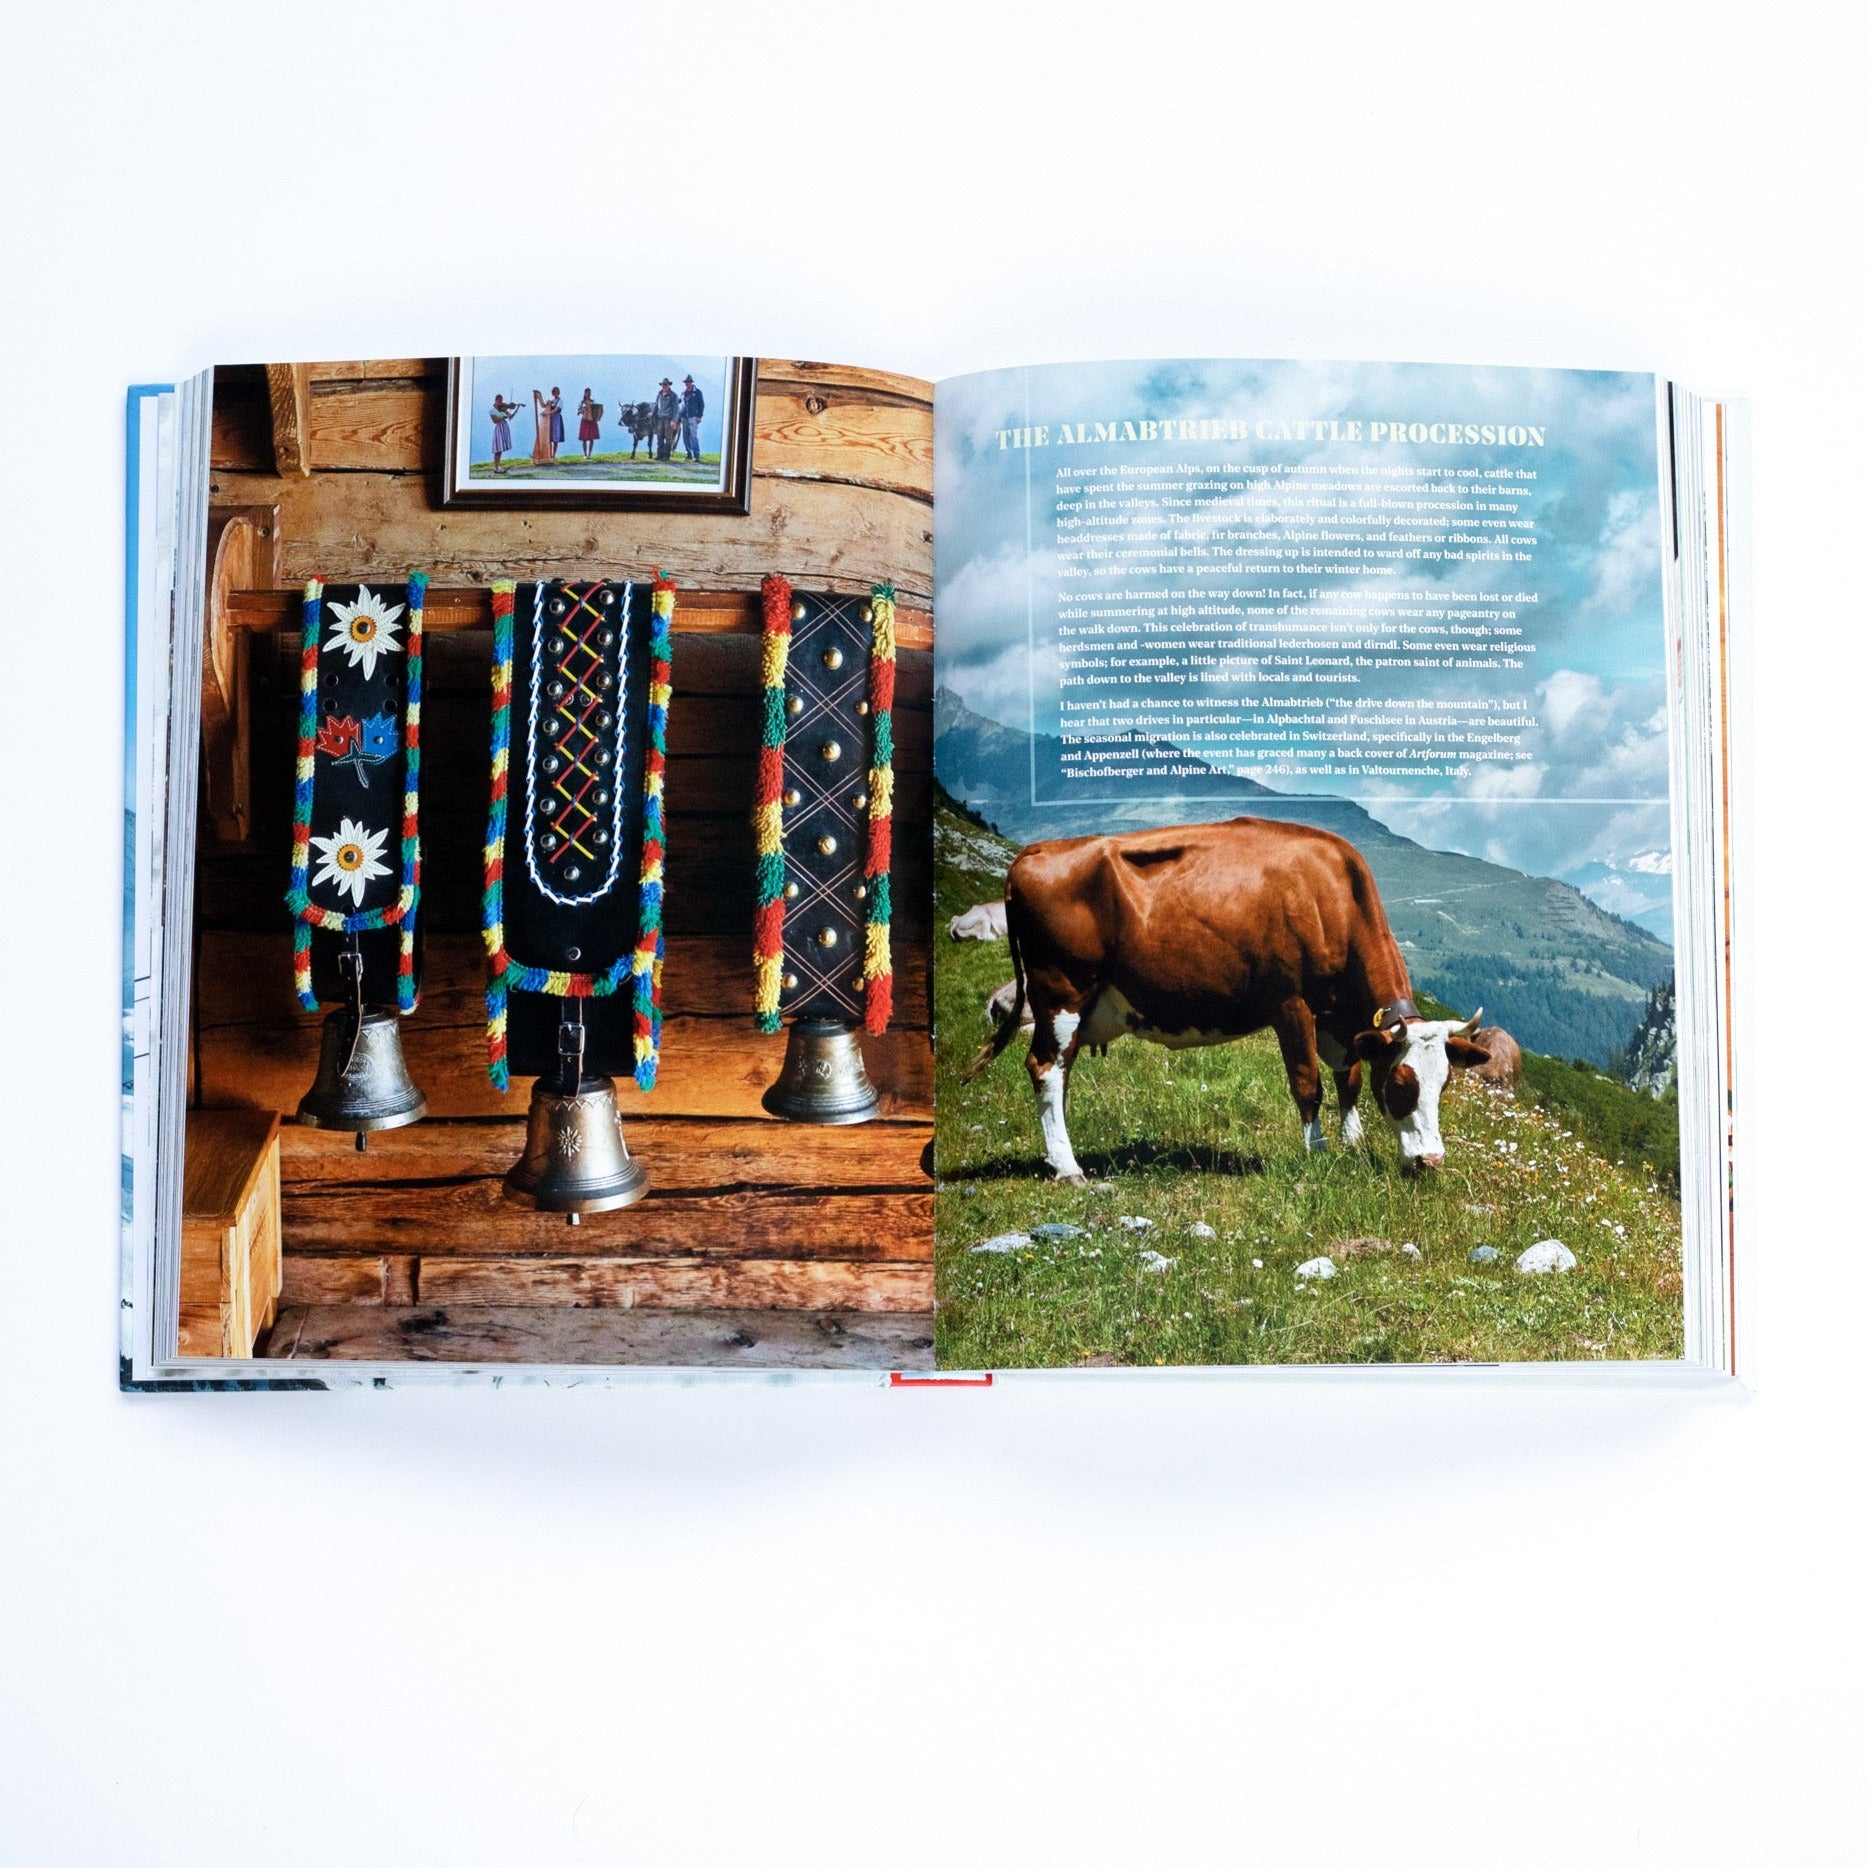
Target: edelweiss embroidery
pixel 358 784
pixel 350 858
pixel 365 629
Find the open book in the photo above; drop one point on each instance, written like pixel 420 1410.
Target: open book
pixel 685 863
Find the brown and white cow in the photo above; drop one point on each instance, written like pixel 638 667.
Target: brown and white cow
pixel 1203 933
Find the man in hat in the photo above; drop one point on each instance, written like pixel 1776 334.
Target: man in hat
pixel 667 420
pixel 693 407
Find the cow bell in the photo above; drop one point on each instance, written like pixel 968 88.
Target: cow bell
pixel 823 1079
pixel 575 1159
pixel 362 1084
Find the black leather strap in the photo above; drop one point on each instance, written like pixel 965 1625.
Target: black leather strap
pixel 827 745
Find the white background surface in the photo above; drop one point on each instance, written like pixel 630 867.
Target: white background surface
pixel 1291 1621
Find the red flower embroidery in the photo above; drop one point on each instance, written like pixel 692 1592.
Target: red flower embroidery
pixel 337 736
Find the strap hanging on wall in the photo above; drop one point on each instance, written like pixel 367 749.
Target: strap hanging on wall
pixel 575 845
pixel 356 836
pixel 823 808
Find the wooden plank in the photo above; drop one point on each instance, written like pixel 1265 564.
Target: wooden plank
pixel 473 1219
pixel 710 1067
pixel 374 427
pixel 379 370
pixel 288 389
pixel 671 1284
pixel 843 435
pixel 825 377
pixel 359 1280
pixel 685 1155
pixel 246 978
pixel 835 434
pixel 362 526
pixel 717 1339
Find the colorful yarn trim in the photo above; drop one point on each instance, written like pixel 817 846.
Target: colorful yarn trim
pixel 878 972
pixel 306 914
pixel 642 968
pixel 768 927
pixel 651 946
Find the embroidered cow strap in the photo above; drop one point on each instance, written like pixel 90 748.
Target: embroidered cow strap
pixel 356 835
pixel 822 812
pixel 570 722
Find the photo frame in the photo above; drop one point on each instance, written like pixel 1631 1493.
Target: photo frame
pixel 633 433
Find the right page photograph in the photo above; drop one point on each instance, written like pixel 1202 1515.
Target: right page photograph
pixel 1304 867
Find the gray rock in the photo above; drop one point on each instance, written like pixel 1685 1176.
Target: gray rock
pixel 1547 1255
pixel 1133 1222
pixel 1153 1261
pixel 1316 1268
pixel 1482 1255
pixel 1004 1242
pixel 1057 1229
pixel 1201 1230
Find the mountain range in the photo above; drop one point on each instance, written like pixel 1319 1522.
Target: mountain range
pixel 1639 888
pixel 1565 975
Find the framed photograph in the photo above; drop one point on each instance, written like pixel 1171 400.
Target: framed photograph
pixel 638 434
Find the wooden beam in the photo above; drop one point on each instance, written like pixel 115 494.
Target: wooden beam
pixel 676 1284
pixel 697 612
pixel 710 1067
pixel 690 1155
pixel 719 1339
pixel 473 1219
pixel 288 388
pixel 243 548
pixel 245 978
pixel 822 534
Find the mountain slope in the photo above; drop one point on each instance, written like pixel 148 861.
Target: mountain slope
pixel 1563 975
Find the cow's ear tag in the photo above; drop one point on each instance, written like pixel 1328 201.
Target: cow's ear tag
pixel 1381 1012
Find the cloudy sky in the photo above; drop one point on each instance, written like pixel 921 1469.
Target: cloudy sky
pixel 1595 787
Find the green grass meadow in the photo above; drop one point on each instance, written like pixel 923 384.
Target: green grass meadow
pixel 1211 1138
pixel 612 468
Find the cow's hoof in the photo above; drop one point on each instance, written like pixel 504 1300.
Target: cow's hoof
pixel 1078 1179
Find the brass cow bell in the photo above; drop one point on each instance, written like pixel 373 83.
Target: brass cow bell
pixel 362 1084
pixel 823 1079
pixel 575 1159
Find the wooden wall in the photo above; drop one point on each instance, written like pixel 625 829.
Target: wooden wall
pixel 745 1213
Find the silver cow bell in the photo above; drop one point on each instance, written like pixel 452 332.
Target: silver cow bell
pixel 575 1159
pixel 823 1079
pixel 362 1084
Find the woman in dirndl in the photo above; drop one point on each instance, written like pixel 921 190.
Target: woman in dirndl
pixel 502 413
pixel 589 414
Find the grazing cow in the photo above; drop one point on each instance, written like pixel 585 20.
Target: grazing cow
pixel 1203 933
pixel 984 921
pixel 1504 1062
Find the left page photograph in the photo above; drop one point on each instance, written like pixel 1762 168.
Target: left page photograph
pixel 558 898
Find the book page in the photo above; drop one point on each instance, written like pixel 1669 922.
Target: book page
pixel 550 950
pixel 1354 677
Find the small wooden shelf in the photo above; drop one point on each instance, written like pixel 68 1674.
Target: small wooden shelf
pixel 230 1231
